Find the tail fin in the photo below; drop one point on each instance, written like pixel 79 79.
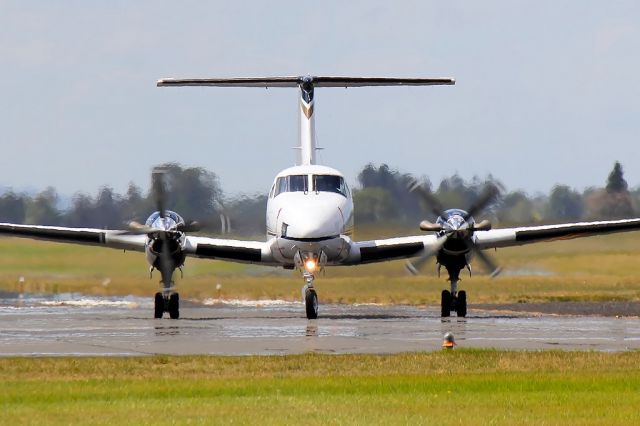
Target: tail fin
pixel 306 84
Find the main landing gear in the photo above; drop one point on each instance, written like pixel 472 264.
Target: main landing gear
pixel 453 300
pixel 167 300
pixel 310 296
pixel 167 303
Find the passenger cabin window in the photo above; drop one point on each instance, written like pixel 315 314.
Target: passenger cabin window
pixel 330 183
pixel 293 183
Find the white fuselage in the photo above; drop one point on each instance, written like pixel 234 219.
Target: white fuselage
pixel 310 211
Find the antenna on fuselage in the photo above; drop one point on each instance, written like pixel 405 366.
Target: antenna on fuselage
pixel 308 143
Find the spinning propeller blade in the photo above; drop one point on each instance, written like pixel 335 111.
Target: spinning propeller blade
pixel 432 202
pixel 491 266
pixel 159 193
pixel 415 266
pixel 488 196
pixel 159 190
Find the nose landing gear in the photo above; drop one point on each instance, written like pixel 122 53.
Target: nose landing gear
pixel 310 297
pixel 309 263
pixel 453 300
pixel 456 303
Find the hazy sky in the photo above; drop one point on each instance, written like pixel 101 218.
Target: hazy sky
pixel 547 91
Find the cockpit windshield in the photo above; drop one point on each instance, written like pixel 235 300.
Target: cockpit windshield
pixel 330 183
pixel 293 183
pixel 319 183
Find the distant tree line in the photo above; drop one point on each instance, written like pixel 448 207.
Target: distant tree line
pixel 381 196
pixel 194 193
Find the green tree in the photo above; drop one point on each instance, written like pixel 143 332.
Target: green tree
pixel 107 211
pixel 191 191
pixel 134 206
pixel 517 208
pixel 13 207
pixel 82 212
pixel 395 187
pixel 615 181
pixel 380 177
pixel 605 205
pixel 373 205
pixel 246 214
pixel 42 209
pixel 614 201
pixel 565 203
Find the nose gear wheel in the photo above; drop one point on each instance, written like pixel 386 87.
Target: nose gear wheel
pixel 311 303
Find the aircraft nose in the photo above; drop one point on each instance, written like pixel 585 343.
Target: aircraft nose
pixel 310 223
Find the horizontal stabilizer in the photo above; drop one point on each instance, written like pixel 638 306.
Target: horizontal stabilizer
pixel 296 81
pixel 232 82
pixel 380 81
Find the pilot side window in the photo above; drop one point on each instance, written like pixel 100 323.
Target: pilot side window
pixel 330 183
pixel 298 183
pixel 293 183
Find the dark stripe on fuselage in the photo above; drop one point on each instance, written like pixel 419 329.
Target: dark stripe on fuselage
pixel 371 254
pixel 62 235
pixel 574 231
pixel 228 252
pixel 311 240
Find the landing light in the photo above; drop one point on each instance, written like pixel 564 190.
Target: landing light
pixel 310 265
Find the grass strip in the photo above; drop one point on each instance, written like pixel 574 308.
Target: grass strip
pixel 466 386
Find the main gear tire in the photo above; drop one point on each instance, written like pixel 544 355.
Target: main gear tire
pixel 158 306
pixel 461 304
pixel 174 306
pixel 445 304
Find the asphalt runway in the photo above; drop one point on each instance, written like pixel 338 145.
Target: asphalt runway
pixel 85 326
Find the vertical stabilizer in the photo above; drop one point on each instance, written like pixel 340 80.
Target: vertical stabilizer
pixel 308 147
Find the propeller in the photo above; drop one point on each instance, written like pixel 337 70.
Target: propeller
pixel 159 191
pixel 166 265
pixel 446 231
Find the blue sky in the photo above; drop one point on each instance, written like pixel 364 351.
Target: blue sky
pixel 547 92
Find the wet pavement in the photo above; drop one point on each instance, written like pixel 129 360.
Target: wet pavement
pixel 84 326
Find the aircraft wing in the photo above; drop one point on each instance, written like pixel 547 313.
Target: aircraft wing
pixel 204 247
pixel 85 236
pixel 392 248
pixel 232 250
pixel 508 237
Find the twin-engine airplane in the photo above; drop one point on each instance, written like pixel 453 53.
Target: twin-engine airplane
pixel 310 218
